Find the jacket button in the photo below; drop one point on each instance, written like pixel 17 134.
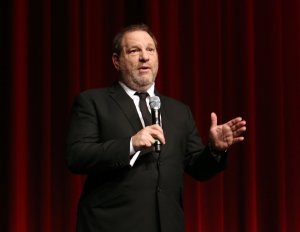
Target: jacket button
pixel 158 189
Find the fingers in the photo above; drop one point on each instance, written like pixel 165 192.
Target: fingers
pixel 237 126
pixel 146 137
pixel 238 130
pixel 238 139
pixel 236 122
pixel 157 133
pixel 214 119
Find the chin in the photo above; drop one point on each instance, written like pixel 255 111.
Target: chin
pixel 142 86
pixel 144 81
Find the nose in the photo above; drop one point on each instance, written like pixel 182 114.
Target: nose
pixel 144 56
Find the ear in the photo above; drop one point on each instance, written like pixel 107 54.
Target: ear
pixel 116 61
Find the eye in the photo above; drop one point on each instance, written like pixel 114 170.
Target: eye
pixel 133 51
pixel 150 49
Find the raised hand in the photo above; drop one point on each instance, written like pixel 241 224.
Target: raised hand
pixel 223 136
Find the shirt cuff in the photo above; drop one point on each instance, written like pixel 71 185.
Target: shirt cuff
pixel 133 154
pixel 131 151
pixel 216 154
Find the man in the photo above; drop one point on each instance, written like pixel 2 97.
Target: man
pixel 129 186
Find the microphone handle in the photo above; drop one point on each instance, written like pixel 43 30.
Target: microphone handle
pixel 156 120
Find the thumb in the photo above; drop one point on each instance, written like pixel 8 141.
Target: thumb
pixel 214 120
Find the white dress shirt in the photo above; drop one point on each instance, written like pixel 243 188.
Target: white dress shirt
pixel 136 99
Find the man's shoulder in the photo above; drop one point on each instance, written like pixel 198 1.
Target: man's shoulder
pixel 98 93
pixel 175 109
pixel 95 92
pixel 172 101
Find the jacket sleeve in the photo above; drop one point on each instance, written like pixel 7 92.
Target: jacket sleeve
pixel 199 162
pixel 86 151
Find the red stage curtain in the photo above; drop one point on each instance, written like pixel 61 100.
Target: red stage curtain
pixel 232 57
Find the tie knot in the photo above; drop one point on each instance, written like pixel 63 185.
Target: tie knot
pixel 142 95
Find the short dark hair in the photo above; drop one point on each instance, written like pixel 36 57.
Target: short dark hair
pixel 135 27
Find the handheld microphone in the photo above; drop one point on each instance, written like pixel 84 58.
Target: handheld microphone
pixel 155 113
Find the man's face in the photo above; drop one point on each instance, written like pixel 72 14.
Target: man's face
pixel 138 60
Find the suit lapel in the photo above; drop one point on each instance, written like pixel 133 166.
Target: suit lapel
pixel 128 108
pixel 126 105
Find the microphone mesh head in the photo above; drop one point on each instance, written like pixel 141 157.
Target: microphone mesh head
pixel 154 102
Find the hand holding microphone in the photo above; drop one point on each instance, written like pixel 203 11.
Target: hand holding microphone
pixel 155 113
pixel 153 134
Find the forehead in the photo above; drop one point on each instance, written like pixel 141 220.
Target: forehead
pixel 135 38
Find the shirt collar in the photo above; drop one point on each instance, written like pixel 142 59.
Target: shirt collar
pixel 131 92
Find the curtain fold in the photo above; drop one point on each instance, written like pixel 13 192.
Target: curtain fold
pixel 235 58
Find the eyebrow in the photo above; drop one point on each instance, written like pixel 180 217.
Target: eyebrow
pixel 138 46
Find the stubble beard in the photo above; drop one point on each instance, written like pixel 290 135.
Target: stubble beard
pixel 139 83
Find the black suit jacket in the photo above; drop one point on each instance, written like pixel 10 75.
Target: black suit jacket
pixel 148 196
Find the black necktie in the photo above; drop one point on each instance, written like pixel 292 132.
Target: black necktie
pixel 144 109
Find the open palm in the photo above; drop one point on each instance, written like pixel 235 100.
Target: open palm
pixel 224 135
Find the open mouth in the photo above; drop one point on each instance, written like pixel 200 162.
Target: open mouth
pixel 144 68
